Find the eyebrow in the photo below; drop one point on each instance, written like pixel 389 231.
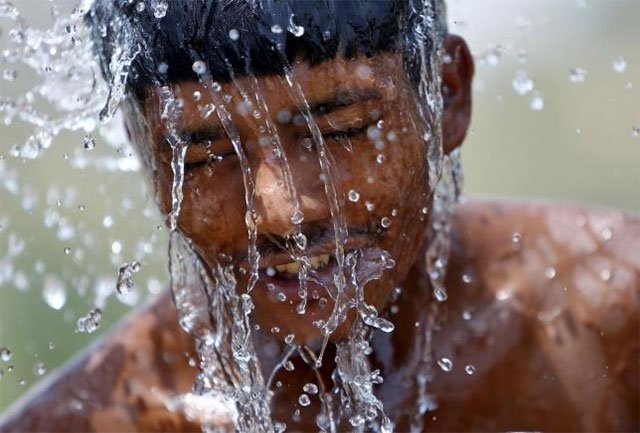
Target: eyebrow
pixel 341 99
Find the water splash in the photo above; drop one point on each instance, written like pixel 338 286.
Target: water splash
pixel 90 322
pixel 211 306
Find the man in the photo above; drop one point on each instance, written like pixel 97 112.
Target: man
pixel 531 322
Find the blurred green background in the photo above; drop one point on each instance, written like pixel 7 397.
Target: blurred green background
pixel 563 140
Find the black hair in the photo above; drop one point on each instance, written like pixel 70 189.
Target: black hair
pixel 241 37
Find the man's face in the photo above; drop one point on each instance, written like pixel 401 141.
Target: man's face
pixel 366 112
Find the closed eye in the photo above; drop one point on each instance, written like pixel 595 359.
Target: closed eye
pixel 346 133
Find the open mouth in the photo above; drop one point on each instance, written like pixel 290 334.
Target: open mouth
pixel 284 281
pixel 285 276
pixel 283 265
pixel 292 269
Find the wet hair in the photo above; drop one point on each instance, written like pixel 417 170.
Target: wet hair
pixel 238 38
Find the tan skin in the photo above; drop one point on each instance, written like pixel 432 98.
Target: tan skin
pixel 551 350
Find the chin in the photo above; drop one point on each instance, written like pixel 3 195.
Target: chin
pixel 278 316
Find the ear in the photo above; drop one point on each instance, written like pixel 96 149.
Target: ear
pixel 457 75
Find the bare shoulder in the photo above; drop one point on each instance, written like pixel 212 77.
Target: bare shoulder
pixel 590 255
pixel 567 280
pixel 124 382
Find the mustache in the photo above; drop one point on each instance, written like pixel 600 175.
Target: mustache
pixel 315 234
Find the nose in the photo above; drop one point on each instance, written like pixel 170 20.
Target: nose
pixel 275 203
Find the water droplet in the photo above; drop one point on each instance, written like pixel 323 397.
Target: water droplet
pixel 247 303
pixel 140 6
pixel 289 366
pixel 467 315
pixel 9 74
pixel 605 275
pixel 522 83
pixel 107 221
pixel 296 30
pixel 550 273
pixel 445 364
pixel 619 64
pixel 304 400
pixel 635 131
pixel 88 142
pixel 289 338
pixel 373 133
pixel 54 293
pixel 300 240
pixel 5 354
pixel 199 67
pixel 234 34
pixel 116 247
pixel 380 158
pixel 91 322
pixel 159 8
pixel 356 420
pixel 385 222
pixel 270 271
pixel 536 103
pixel 467 278
pixel 370 206
pixel 276 28
pixel 522 56
pixel 125 283
pixel 577 75
pixel 470 369
pixel 503 295
pixel 22 382
pixel 441 294
pixel 297 217
pixel 40 369
pixel 310 388
pixel 52 345
pixel 67 250
pixel 516 238
pixel 354 196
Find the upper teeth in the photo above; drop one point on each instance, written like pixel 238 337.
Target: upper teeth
pixel 314 262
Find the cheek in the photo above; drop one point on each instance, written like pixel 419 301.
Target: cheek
pixel 212 210
pixel 389 186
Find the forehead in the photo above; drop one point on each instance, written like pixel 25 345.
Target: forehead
pixel 381 74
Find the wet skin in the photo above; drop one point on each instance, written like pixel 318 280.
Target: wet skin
pixel 545 358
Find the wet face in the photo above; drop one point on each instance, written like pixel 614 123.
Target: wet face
pixel 372 132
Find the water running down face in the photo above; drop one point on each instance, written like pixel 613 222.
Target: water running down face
pixel 366 111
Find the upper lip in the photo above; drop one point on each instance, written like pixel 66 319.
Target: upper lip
pixel 325 247
pixel 321 242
